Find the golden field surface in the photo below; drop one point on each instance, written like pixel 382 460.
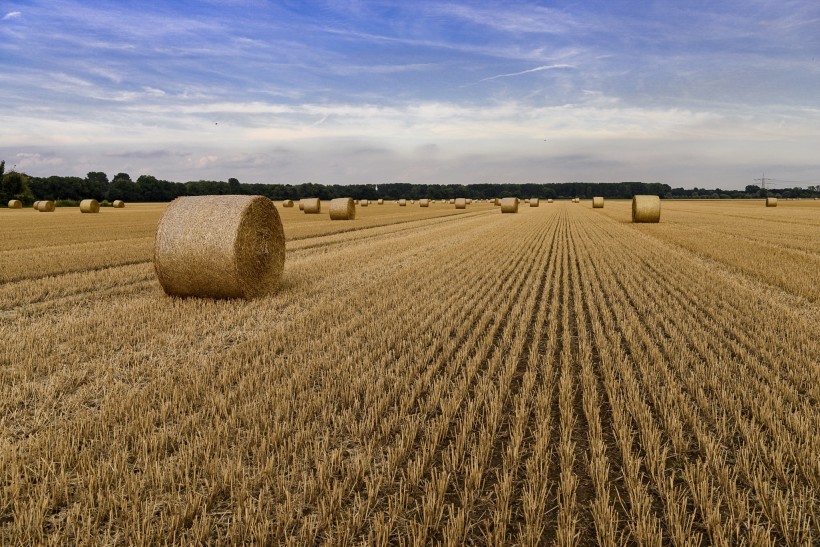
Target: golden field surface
pixel 422 376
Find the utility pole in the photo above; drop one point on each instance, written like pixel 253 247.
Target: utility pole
pixel 763 180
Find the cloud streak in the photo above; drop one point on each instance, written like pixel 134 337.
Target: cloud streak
pixel 523 72
pixel 11 15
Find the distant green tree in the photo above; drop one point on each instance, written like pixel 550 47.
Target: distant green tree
pixel 122 187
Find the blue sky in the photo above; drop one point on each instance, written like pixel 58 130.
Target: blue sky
pixel 690 93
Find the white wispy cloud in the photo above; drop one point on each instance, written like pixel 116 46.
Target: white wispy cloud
pixel 522 72
pixel 11 15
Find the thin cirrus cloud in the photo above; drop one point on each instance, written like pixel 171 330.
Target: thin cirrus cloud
pixel 351 92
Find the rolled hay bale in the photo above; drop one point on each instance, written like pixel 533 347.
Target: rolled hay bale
pixel 220 247
pixel 451 201
pixel 118 203
pixel 342 209
pixel 364 202
pixel 287 203
pixel 496 201
pixel 412 202
pixel 535 202
pixel 45 206
pixel 461 203
pixel 89 206
pixel 402 203
pixel 424 203
pixel 549 200
pixel 576 200
pixel 469 201
pixel 771 202
pixel 15 204
pixel 646 209
pixel 598 202
pixel 509 205
pixel 380 202
pixel 311 206
pixel 34 205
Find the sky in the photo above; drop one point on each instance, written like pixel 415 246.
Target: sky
pixel 690 93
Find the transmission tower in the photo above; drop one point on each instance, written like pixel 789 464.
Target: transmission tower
pixel 763 180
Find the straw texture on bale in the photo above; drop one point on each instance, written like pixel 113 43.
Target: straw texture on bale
pixel 364 202
pixel 220 247
pixel 549 200
pixel 424 203
pixel 469 201
pixel 646 209
pixel 461 203
pixel 509 205
pixel 597 202
pixel 576 200
pixel 89 206
pixel 380 202
pixel 311 206
pixel 46 206
pixel 15 204
pixel 496 201
pixel 342 209
pixel 34 205
pixel 451 201
pixel 535 202
pixel 772 202
pixel 287 203
pixel 301 205
pixel 402 203
pixel 118 203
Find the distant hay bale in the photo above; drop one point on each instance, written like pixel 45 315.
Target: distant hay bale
pixel 424 203
pixel 342 209
pixel 469 201
pixel 287 203
pixel 402 202
pixel 451 201
pixel 597 202
pixel 15 204
pixel 355 202
pixel 89 206
pixel 771 202
pixel 311 206
pixel 118 203
pixel 549 200
pixel 412 202
pixel 460 203
pixel 509 205
pixel 646 209
pixel 496 201
pixel 301 205
pixel 535 202
pixel 45 206
pixel 219 247
pixel 34 205
pixel 380 202
pixel 576 200
pixel 364 202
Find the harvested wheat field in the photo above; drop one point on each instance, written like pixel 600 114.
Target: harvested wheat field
pixel 421 376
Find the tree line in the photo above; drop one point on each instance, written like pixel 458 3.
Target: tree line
pixel 96 185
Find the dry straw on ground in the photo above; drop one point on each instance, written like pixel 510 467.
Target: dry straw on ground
pixel 535 202
pixel 220 247
pixel 342 209
pixel 15 204
pixel 287 203
pixel 771 202
pixel 402 202
pixel 646 209
pixel 118 203
pixel 460 203
pixel 89 206
pixel 509 205
pixel 311 206
pixel 46 206
pixel 597 202
pixel 424 203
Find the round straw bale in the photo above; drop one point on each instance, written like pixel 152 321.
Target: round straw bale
pixel 311 206
pixel 646 209
pixel 451 201
pixel 461 203
pixel 220 247
pixel 402 203
pixel 496 201
pixel 301 205
pixel 535 202
pixel 549 200
pixel 287 203
pixel 597 202
pixel 380 202
pixel 342 209
pixel 15 204
pixel 89 206
pixel 424 203
pixel 118 203
pixel 34 205
pixel 364 202
pixel 509 205
pixel 46 206
pixel 771 202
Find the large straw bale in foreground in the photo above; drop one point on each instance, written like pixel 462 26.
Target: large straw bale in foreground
pixel 89 206
pixel 597 202
pixel 118 203
pixel 771 202
pixel 45 206
pixel 287 203
pixel 15 204
pixel 311 206
pixel 220 247
pixel 424 203
pixel 646 209
pixel 342 209
pixel 461 203
pixel 509 205
pixel 535 202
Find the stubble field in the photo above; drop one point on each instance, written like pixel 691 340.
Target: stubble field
pixel 422 376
